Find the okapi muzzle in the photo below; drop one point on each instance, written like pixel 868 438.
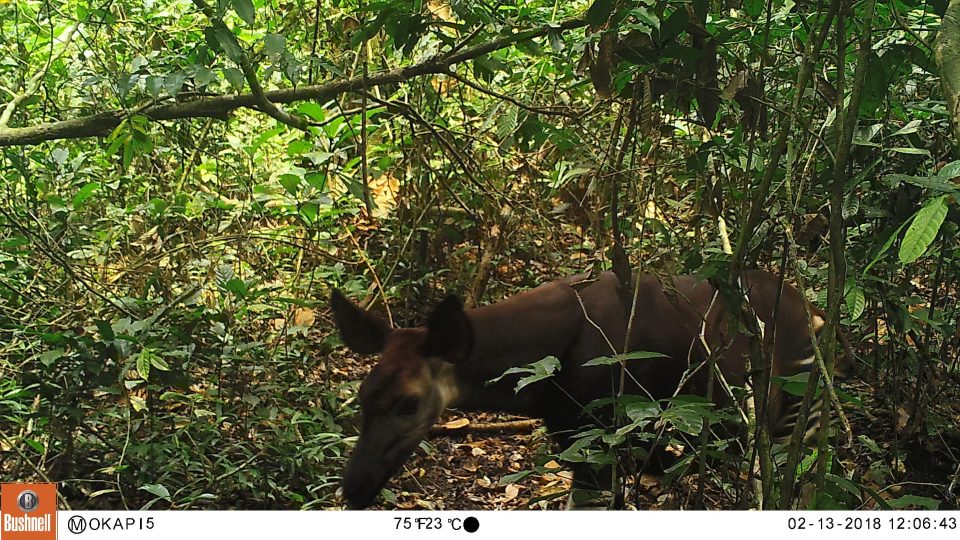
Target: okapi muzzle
pixel 404 394
pixel 454 359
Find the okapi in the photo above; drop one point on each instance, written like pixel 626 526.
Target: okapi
pixel 450 361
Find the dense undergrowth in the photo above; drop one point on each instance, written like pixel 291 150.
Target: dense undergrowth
pixel 165 340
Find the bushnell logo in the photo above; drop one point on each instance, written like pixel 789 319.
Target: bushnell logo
pixel 28 501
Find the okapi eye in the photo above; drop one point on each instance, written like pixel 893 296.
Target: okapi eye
pixel 407 406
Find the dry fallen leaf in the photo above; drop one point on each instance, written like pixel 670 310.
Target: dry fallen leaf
pixel 426 505
pixel 649 481
pixel 511 492
pixel 903 417
pixel 457 424
pixel 304 317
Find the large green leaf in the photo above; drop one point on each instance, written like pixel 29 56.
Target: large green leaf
pixel 536 371
pixel 85 193
pixel 144 362
pixel 245 10
pixel 228 43
pixel 924 228
pixel 915 500
pixel 616 359
pixel 856 302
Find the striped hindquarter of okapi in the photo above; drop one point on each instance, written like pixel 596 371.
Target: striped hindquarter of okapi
pixel 788 408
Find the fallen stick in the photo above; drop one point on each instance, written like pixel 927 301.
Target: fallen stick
pixel 464 426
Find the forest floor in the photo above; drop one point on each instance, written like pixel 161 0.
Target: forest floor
pixel 460 468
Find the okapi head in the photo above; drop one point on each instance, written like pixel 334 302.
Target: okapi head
pixel 405 391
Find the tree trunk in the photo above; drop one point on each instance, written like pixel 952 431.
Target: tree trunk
pixel 947 52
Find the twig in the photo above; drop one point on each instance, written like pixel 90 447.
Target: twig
pixel 513 426
pixel 373 273
pixel 552 111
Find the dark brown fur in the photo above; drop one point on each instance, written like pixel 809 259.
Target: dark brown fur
pixel 450 361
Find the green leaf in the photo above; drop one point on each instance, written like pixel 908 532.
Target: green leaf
pixel 511 478
pixel 914 500
pixel 674 25
pixel 684 419
pixel 911 151
pixel 173 82
pixel 844 484
pixel 299 146
pixel 949 172
pixel 105 329
pixel 235 77
pixel 57 205
pixel 855 302
pixel 319 181
pixel 636 355
pixel 642 410
pixel 274 44
pixel 599 12
pixel 228 43
pixel 754 8
pixel 128 154
pixel 641 414
pixel 910 127
pixel 156 489
pixel 50 357
pixel 687 413
pixel 870 444
pixel 237 286
pixel 35 444
pixel 886 246
pixel 143 363
pixel 138 403
pixel 290 182
pixel 573 452
pixel 313 110
pixel 266 136
pixel 370 29
pixel 245 10
pixel 874 86
pixel 154 85
pixel 388 496
pixel 794 384
pixel 85 193
pixel 923 229
pixel 646 17
pixel 159 363
pixel 537 371
pixel 933 183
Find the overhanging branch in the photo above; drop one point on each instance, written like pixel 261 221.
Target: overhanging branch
pixel 219 106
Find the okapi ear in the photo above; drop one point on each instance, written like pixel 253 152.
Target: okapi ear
pixel 449 333
pixel 363 332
